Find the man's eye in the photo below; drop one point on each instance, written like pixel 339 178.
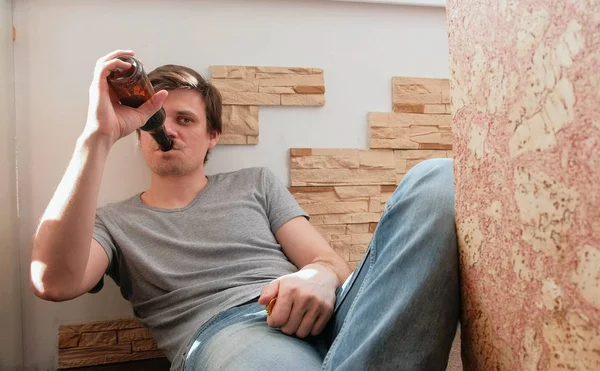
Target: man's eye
pixel 185 120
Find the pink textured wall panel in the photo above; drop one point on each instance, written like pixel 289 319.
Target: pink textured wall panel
pixel 525 85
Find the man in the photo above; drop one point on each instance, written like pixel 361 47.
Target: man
pixel 199 257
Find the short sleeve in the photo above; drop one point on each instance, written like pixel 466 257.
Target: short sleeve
pixel 103 237
pixel 280 206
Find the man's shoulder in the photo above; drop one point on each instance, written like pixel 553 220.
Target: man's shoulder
pixel 248 174
pixel 122 205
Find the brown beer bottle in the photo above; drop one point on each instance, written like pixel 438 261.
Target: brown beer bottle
pixel 133 88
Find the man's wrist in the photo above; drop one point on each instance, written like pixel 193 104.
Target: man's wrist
pixel 93 140
pixel 326 268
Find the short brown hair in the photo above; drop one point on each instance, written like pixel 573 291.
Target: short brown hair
pixel 172 77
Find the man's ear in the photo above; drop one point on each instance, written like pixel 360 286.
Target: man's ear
pixel 214 139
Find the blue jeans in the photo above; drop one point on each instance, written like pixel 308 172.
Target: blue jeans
pixel 398 310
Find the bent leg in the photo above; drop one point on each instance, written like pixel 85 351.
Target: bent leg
pixel 400 309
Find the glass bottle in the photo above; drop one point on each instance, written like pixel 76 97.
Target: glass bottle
pixel 133 88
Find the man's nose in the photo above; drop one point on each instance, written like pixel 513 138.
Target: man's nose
pixel 170 127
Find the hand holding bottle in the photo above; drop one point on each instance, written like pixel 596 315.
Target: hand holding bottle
pixel 106 115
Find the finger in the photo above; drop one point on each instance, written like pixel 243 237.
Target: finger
pixel 113 65
pixel 281 311
pixel 322 320
pixel 308 323
pixel 102 71
pixel 113 97
pixel 115 54
pixel 268 292
pixel 152 105
pixel 295 319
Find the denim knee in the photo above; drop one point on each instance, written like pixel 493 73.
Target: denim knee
pixel 431 182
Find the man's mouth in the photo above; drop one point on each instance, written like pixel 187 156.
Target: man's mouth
pixel 174 148
pixel 169 151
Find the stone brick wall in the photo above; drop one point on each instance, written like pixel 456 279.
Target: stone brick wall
pixel 245 88
pixel 344 190
pixel 104 342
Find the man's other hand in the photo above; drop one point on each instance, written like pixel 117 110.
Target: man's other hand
pixel 304 300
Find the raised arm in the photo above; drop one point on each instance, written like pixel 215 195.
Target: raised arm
pixel 65 261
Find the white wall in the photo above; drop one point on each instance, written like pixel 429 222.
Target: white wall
pixel 360 47
pixel 10 297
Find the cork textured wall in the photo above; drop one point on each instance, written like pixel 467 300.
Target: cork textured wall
pixel 526 122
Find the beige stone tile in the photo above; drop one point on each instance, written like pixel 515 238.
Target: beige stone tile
pixel 250 98
pixel 302 99
pixel 408 90
pixel 310 177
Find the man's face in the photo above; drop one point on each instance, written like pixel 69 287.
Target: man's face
pixel 187 127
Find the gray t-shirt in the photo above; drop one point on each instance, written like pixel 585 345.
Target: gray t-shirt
pixel 180 267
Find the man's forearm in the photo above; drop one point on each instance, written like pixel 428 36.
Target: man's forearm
pixel 62 241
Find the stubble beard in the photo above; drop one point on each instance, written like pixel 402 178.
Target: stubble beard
pixel 170 169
